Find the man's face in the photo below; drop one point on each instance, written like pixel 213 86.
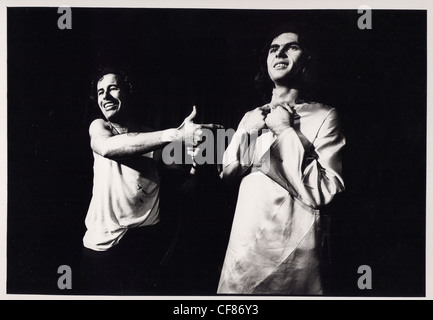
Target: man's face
pixel 284 58
pixel 110 96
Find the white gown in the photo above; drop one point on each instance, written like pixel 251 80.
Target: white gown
pixel 275 243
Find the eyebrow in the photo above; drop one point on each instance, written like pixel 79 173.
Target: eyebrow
pixel 276 45
pixel 110 85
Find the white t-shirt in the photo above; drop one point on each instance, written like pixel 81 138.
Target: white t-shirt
pixel 125 195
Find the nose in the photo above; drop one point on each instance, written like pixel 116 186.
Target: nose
pixel 106 95
pixel 280 53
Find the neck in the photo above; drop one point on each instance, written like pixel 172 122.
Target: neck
pixel 284 94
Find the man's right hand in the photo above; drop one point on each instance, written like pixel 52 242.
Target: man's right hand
pixel 191 133
pixel 254 120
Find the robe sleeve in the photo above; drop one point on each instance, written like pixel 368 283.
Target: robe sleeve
pixel 313 174
pixel 239 155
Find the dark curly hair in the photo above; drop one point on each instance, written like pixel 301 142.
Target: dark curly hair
pixel 124 81
pixel 308 79
pixel 92 110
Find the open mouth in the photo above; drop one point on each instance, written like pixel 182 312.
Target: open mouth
pixel 110 105
pixel 281 65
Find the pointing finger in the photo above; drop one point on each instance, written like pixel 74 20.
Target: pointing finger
pixel 212 126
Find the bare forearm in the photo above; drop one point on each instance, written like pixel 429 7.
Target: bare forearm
pixel 133 144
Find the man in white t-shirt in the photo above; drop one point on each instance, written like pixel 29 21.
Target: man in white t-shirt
pixel 122 242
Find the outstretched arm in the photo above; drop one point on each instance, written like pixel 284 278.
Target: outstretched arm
pixel 132 144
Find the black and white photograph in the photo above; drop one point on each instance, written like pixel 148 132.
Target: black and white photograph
pixel 216 152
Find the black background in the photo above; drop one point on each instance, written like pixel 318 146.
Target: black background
pixel 208 58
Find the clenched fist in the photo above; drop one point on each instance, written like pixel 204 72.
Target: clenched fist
pixel 254 120
pixel 279 119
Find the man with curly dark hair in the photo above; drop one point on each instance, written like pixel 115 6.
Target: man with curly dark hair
pixel 122 243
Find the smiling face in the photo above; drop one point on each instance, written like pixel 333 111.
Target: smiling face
pixel 285 57
pixel 110 96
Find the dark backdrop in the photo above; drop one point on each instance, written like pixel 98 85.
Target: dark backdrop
pixel 181 57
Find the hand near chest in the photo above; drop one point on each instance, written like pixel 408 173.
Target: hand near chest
pixel 279 119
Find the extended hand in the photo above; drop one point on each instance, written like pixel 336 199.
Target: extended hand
pixel 191 133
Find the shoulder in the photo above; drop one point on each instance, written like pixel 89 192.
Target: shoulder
pixel 99 126
pixel 317 110
pixel 319 117
pixel 316 107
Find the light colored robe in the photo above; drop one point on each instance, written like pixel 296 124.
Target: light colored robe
pixel 275 243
